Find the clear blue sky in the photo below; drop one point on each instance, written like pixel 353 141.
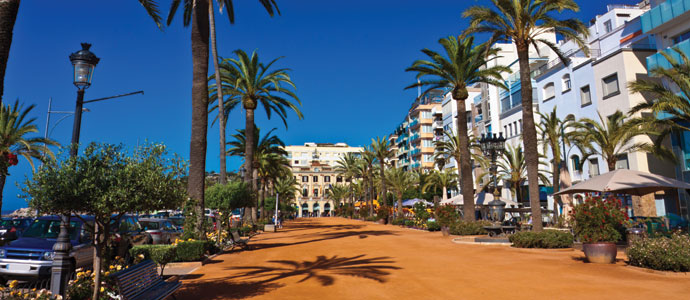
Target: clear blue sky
pixel 348 60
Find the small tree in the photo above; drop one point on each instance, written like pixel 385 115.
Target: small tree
pixel 226 197
pixel 106 182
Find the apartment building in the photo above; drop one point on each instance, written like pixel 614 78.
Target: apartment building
pixel 417 131
pixel 314 168
pixel 668 25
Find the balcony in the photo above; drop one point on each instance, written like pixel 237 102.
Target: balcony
pixel 659 61
pixel 438 124
pixel 653 19
pixel 414 122
pixel 414 137
pixel 415 152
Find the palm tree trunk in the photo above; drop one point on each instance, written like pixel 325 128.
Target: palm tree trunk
pixel 8 16
pixel 529 135
pixel 382 198
pixel 249 155
pixel 255 187
pixel 445 193
pixel 556 181
pixel 371 197
pixel 400 207
pixel 221 105
pixel 262 192
pixel 465 170
pixel 197 147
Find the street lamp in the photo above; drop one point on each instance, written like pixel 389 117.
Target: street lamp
pixel 493 147
pixel 84 62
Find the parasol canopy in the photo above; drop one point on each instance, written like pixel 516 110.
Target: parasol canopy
pixel 626 181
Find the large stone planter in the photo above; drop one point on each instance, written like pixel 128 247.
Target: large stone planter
pixel 445 230
pixel 600 253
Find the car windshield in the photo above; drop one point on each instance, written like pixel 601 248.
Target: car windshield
pixel 150 225
pixel 177 221
pixel 10 223
pixel 49 229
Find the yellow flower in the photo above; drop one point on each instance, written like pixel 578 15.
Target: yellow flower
pixel 102 289
pixel 140 256
pixel 119 267
pixel 13 284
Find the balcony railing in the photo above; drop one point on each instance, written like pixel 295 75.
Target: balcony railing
pixel 663 13
pixel 659 61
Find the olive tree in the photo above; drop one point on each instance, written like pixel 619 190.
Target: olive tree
pixel 106 181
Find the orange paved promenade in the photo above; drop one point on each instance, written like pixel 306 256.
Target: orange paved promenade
pixel 334 258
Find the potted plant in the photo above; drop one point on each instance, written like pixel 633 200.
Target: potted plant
pixel 598 224
pixel 447 215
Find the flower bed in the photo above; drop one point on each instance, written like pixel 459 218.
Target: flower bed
pixel 662 253
pixel 547 239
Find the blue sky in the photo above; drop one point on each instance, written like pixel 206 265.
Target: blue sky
pixel 347 60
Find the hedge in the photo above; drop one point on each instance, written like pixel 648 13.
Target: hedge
pixel 433 226
pixel 160 254
pixel 409 223
pixel 547 239
pixel 661 253
pixel 398 221
pixel 469 228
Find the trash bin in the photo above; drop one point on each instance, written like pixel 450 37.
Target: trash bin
pixel 635 234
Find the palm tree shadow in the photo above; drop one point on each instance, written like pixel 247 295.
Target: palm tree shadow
pixel 324 270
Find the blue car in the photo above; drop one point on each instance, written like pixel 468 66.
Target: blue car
pixel 31 255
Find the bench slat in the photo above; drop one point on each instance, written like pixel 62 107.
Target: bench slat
pixel 142 282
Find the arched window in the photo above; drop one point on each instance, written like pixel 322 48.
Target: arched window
pixel 549 91
pixel 575 160
pixel 566 82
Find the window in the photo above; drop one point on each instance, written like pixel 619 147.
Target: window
pixel 426 114
pixel 593 167
pixel 426 129
pixel 516 128
pixel 316 193
pixel 427 143
pixel 610 85
pixel 681 37
pixel 315 178
pixel 607 26
pixel 338 179
pixel 305 178
pixel 520 122
pixel 566 83
pixel 622 161
pixel 549 91
pixel 585 96
pixel 505 129
pixel 297 162
pixel 327 179
pixel 575 160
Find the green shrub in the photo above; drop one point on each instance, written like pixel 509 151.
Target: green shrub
pixel 383 212
pixel 409 223
pixel 546 239
pixel 160 254
pixel 433 226
pixel 371 219
pixel 245 230
pixel 662 253
pixel 191 250
pixel 398 221
pixel 469 228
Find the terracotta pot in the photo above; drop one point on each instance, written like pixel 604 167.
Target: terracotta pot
pixel 445 230
pixel 600 253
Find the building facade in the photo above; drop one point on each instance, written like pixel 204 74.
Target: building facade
pixel 416 133
pixel 314 168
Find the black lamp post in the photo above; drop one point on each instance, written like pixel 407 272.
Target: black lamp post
pixel 84 61
pixel 493 148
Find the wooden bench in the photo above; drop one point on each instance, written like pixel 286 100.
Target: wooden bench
pixel 142 282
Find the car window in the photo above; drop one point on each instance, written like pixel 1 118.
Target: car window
pixel 49 229
pixel 150 225
pixel 168 225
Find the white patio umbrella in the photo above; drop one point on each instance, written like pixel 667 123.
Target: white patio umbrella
pixel 479 199
pixel 626 182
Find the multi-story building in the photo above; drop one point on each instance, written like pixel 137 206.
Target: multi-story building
pixel 314 168
pixel 668 23
pixel 417 131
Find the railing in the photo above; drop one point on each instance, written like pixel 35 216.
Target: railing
pixel 415 151
pixel 659 61
pixel 610 7
pixel 593 53
pixel 662 13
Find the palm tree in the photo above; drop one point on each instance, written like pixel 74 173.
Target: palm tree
pixel 266 145
pixel 13 140
pixel 366 172
pixel 286 187
pixel 446 179
pixel 196 12
pixel 523 22
pixel 614 136
pixel 8 16
pixel 450 146
pixel 667 102
pixel 552 132
pixel 513 169
pixel 254 83
pixel 270 167
pixel 338 193
pixel 464 65
pixel 399 180
pixel 347 167
pixel 382 151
